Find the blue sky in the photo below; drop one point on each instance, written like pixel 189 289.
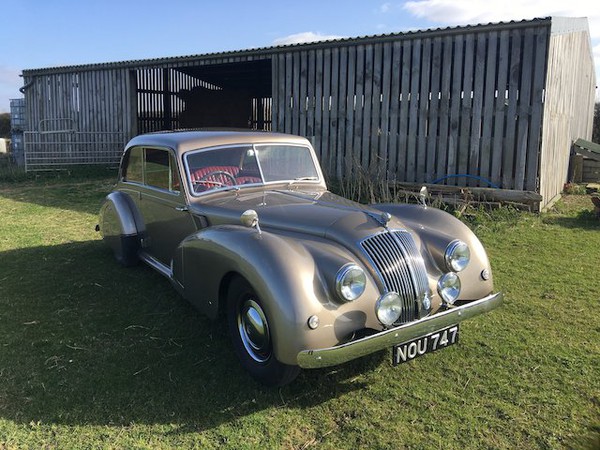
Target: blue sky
pixel 42 33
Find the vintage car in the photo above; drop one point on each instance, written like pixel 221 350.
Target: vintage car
pixel 243 226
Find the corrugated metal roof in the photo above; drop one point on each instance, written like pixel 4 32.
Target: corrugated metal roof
pixel 285 48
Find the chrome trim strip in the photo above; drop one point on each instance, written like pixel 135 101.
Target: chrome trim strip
pixel 325 357
pixel 156 265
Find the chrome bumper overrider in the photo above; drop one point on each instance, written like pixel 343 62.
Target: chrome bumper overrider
pixel 325 357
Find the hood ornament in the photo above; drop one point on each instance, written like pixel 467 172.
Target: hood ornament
pixel 385 218
pixel 382 219
pixel 423 195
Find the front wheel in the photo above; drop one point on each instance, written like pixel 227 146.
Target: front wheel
pixel 252 337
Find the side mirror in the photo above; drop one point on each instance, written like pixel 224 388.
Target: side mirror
pixel 249 218
pixel 423 195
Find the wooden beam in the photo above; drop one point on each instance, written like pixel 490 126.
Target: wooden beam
pixel 480 194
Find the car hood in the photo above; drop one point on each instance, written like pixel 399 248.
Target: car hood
pixel 317 213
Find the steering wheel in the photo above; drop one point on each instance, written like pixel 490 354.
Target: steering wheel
pixel 216 173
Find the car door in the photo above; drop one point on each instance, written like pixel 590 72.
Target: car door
pixel 161 200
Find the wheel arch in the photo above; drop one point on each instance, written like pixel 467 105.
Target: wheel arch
pixel 280 270
pixel 121 226
pixel 224 287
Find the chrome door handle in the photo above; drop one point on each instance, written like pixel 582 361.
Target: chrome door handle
pixel 182 208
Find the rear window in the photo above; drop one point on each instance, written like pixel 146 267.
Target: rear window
pixel 134 165
pixel 153 167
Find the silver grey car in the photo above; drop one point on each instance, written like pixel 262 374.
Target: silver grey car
pixel 243 226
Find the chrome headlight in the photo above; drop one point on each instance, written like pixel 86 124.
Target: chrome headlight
pixel 457 256
pixel 350 282
pixel 388 308
pixel 449 287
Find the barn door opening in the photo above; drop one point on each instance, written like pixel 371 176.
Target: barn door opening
pixel 231 95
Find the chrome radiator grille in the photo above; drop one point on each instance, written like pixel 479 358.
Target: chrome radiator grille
pixel 400 267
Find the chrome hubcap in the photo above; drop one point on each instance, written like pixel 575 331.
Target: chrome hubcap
pixel 254 331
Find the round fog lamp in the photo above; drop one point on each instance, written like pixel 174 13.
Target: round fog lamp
pixel 350 282
pixel 388 308
pixel 449 287
pixel 457 256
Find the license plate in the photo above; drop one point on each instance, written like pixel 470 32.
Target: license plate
pixel 412 349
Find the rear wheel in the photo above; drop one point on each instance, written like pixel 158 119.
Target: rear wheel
pixel 251 336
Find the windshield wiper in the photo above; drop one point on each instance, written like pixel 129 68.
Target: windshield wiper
pixel 229 188
pixel 295 180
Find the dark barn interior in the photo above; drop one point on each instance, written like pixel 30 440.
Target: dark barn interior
pixel 230 95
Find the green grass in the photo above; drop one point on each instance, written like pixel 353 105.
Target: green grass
pixel 96 356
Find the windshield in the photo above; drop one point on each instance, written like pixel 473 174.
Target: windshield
pixel 286 163
pixel 232 167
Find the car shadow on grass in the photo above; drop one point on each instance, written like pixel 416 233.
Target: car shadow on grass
pixel 84 341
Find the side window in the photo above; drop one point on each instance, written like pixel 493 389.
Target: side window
pixel 157 168
pixel 175 183
pixel 134 165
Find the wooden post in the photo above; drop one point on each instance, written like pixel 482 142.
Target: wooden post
pixel 576 172
pixel 167 113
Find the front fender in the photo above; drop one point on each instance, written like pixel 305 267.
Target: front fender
pixel 288 277
pixel 436 229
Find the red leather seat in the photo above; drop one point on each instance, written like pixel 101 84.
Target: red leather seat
pixel 247 180
pixel 197 174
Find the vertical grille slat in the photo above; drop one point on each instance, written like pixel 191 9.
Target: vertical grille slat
pixel 409 243
pixel 397 275
pixel 400 267
pixel 391 274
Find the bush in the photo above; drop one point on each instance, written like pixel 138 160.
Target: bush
pixel 5 125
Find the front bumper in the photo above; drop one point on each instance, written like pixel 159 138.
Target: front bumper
pixel 325 357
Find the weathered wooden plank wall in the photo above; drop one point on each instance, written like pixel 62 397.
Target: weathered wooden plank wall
pixel 568 107
pixel 464 102
pixel 85 116
pixel 461 105
pixel 88 101
pixel 78 117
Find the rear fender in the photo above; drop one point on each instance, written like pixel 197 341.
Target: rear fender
pixel 120 224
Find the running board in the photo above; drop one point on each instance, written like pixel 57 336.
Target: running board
pixel 157 265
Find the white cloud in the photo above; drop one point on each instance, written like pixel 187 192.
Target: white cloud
pixel 386 7
pixel 461 12
pixel 303 38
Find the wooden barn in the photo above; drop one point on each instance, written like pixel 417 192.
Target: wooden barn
pixel 487 105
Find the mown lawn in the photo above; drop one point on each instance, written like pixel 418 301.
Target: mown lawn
pixel 96 356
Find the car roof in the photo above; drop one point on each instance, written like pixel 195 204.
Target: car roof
pixel 183 141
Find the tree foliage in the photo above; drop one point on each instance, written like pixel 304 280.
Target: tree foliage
pixel 596 127
pixel 5 125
